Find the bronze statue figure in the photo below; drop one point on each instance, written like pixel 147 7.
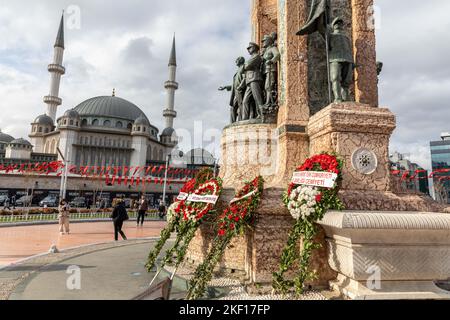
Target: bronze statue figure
pixel 237 91
pixel 271 56
pixel 253 81
pixel 341 61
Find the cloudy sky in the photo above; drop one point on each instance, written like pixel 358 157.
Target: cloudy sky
pixel 125 45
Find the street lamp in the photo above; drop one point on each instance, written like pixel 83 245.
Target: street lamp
pixel 168 158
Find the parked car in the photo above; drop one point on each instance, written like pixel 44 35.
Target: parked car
pixel 24 201
pixel 49 201
pixel 78 202
pixel 3 197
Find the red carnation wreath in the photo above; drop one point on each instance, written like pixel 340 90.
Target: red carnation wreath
pixel 309 196
pixel 232 222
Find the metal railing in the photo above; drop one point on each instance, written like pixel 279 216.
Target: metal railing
pixel 52 217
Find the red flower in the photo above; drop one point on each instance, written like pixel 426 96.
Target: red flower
pixel 232 226
pixel 221 232
pixel 319 197
pixel 236 219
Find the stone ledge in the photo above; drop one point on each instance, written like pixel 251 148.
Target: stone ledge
pixel 351 117
pixel 387 220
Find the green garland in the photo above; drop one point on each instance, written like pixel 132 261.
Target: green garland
pixel 153 255
pixel 305 227
pixel 234 221
pixel 185 228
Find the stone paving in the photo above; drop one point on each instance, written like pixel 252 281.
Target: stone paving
pixel 236 290
pixel 110 271
pixel 18 243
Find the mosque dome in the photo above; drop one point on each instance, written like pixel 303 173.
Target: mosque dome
pixel 199 157
pixel 6 138
pixel 44 120
pixel 111 107
pixel 21 142
pixel 168 132
pixel 72 114
pixel 141 121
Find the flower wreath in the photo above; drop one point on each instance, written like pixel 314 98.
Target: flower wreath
pixel 233 221
pixel 308 202
pixel 184 217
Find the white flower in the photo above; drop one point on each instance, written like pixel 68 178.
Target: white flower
pixel 302 201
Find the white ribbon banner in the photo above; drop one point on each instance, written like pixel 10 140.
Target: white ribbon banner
pixel 248 195
pixel 182 196
pixel 203 199
pixel 315 179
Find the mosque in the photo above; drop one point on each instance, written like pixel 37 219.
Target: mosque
pixel 101 131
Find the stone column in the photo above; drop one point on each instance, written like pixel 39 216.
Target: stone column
pixel 293 115
pixel 366 88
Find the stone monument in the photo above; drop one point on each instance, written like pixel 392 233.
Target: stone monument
pixel 382 233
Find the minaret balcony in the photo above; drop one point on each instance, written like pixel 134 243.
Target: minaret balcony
pixel 53 100
pixel 56 68
pixel 171 85
pixel 170 113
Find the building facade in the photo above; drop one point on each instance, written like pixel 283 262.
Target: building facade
pixel 440 159
pixel 417 178
pixel 101 131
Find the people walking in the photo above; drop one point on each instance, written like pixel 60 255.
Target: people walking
pixel 63 217
pixel 162 210
pixel 119 215
pixel 143 207
pixel 7 204
pixel 13 202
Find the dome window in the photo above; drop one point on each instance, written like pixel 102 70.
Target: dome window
pixel 46 130
pixel 119 125
pixel 95 122
pixel 107 123
pixel 71 122
pixel 84 122
pixel 138 129
pixel 40 129
pixel 129 126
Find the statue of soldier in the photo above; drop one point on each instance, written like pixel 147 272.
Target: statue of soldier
pixel 341 61
pixel 237 91
pixel 271 56
pixel 254 83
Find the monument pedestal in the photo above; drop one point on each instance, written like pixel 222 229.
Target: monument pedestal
pixel 389 255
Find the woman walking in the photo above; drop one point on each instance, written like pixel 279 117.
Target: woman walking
pixel 143 207
pixel 119 215
pixel 63 217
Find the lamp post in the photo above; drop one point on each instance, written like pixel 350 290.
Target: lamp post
pixel 168 158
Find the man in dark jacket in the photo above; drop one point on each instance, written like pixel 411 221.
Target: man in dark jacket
pixel 119 215
pixel 143 207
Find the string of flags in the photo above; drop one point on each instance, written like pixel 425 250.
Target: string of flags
pixel 146 175
pixel 111 174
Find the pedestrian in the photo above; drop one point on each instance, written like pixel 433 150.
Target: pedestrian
pixel 63 217
pixel 7 203
pixel 143 207
pixel 119 215
pixel 88 204
pixel 162 210
pixel 13 202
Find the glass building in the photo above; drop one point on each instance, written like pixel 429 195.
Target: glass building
pixel 440 158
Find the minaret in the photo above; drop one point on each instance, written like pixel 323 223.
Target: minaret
pixel 171 86
pixel 56 70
